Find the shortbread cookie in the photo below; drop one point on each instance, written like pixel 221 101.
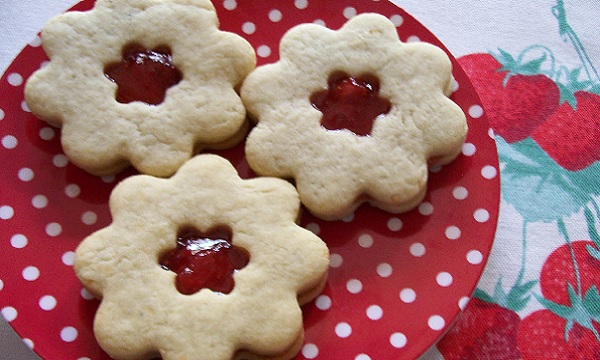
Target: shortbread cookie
pixel 115 112
pixel 240 299
pixel 353 115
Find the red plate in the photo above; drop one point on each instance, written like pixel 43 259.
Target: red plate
pixel 396 282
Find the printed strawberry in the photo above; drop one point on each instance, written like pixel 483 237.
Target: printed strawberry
pixel 558 271
pixel 516 96
pixel 483 331
pixel 541 335
pixel 569 326
pixel 570 136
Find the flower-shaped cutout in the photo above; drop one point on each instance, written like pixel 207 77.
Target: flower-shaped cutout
pixel 103 134
pixel 142 314
pixel 335 170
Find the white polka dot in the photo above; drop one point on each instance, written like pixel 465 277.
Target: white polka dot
pixel 436 322
pixel 365 240
pixel 275 15
pixel 47 133
pixel 475 111
pixel 395 224
pixel 68 258
pixel 481 215
pixel 413 38
pixel 310 351
pixel 397 20
pixel 25 174
pixel 462 303
pixel 35 42
pixel 417 249
pixel 444 279
pixel 398 340
pixel 426 208
pixel 108 178
pixel 39 201
pixel 30 273
pixel 460 193
pixel 85 294
pixel 60 160
pixel 9 142
pixel 384 270
pixel 354 286
pixel 18 241
pixel 343 330
pixel 1 284
pixel 263 51
pixel 29 343
pixel 15 79
pixel 348 218
pixel 89 218
pixel 9 313
pixel 248 28
pixel 230 4
pixel 468 149
pixel 1 114
pixel 44 64
pixel 491 133
pixel 301 4
pixel 474 257
pixel 319 22
pixel 47 302
pixel 408 295
pixel 435 168
pixel 6 212
pixel 349 12
pixel 72 190
pixel 53 229
pixel 24 106
pixel 68 334
pixel 335 260
pixel 323 302
pixel 489 172
pixel 455 85
pixel 374 312
pixel 453 232
pixel 362 357
pixel 313 227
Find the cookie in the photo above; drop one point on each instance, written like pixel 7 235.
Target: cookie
pixel 141 82
pixel 202 265
pixel 353 116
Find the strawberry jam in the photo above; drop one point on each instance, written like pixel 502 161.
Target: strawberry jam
pixel 143 75
pixel 205 260
pixel 351 103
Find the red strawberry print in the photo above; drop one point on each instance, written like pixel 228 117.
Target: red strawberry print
pixel 568 327
pixel 516 99
pixel 571 135
pixel 483 331
pixel 558 271
pixel 541 335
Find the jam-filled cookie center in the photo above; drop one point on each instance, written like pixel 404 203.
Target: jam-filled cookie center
pixel 351 103
pixel 205 260
pixel 143 75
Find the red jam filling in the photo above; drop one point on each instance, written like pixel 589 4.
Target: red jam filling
pixel 143 75
pixel 205 260
pixel 351 103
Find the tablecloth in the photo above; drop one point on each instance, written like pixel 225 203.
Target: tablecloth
pixel 536 67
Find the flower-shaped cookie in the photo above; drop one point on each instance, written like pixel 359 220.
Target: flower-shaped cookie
pixel 182 69
pixel 143 314
pixel 306 103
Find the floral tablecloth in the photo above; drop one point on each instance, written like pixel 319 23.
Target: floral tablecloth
pixel 536 67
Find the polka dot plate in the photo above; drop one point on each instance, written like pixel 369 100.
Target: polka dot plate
pixel 396 282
